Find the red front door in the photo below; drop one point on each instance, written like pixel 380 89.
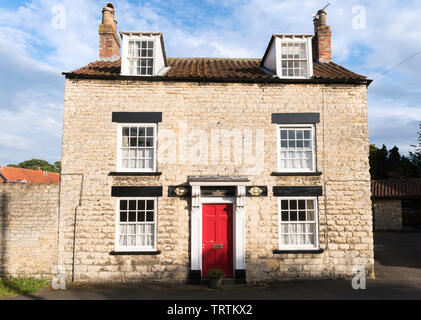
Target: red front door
pixel 217 238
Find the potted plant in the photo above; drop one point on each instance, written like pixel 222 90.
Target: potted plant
pixel 216 276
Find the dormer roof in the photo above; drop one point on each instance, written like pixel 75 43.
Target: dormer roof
pixel 143 54
pixel 283 36
pixel 146 33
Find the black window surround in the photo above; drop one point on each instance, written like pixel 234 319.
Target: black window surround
pixel 295 118
pixel 122 192
pixel 135 253
pixel 316 251
pixel 307 191
pixel 137 117
pixel 296 174
pixel 134 174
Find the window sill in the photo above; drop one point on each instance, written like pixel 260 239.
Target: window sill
pixel 314 251
pixel 291 174
pixel 134 174
pixel 135 253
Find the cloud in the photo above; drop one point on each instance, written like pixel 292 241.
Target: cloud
pixel 31 132
pixel 34 52
pixel 14 142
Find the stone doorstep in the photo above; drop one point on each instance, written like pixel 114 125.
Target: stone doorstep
pixel 226 283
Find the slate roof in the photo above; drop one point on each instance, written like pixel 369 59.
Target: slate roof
pixel 396 189
pixel 222 69
pixel 19 175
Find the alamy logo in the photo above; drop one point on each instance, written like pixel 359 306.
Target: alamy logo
pixel 59 279
pixel 192 146
pixel 359 280
pixel 359 20
pixel 59 19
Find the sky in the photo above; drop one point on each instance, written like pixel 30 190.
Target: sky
pixel 40 39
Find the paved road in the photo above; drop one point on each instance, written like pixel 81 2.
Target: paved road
pixel 398 276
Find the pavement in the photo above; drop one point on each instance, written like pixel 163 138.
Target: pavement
pixel 397 269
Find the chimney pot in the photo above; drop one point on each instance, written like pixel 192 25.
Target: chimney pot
pixel 108 15
pixel 322 48
pixel 321 17
pixel 109 42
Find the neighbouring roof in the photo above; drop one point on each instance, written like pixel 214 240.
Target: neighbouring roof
pixel 19 175
pixel 220 69
pixel 396 189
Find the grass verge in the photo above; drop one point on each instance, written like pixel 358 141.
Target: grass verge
pixel 10 287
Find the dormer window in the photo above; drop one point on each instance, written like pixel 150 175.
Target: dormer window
pixel 140 58
pixel 143 54
pixel 289 57
pixel 293 59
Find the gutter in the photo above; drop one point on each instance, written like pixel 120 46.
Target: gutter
pixel 345 81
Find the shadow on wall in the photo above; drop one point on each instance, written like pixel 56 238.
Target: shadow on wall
pixel 4 214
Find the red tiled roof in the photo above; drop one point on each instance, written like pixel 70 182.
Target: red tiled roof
pixel 396 189
pixel 19 175
pixel 217 69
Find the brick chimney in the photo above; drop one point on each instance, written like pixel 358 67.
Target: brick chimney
pixel 322 46
pixel 109 42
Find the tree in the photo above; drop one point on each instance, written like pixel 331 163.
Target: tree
pixel 378 162
pixel 57 165
pixel 391 164
pixel 408 169
pixel 34 164
pixel 394 159
pixel 416 155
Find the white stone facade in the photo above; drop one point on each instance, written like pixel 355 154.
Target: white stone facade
pixel 192 110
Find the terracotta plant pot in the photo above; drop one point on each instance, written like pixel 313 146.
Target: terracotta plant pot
pixel 215 282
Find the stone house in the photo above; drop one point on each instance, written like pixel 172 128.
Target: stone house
pixel 174 166
pixel 396 204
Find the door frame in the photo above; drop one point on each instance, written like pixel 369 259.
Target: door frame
pixel 218 200
pixel 196 228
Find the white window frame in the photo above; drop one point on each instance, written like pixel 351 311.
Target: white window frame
pixel 316 245
pixel 117 247
pixel 119 147
pixel 313 148
pixel 309 55
pixel 125 65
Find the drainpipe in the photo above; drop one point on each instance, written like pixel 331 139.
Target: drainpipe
pixel 74 220
pixel 74 226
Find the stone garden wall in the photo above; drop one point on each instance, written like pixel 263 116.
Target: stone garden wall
pixel 387 215
pixel 28 229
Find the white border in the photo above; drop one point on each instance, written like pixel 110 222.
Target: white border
pixel 316 229
pixel 309 55
pixel 119 146
pixel 118 248
pixel 196 216
pixel 313 149
pixel 218 200
pixel 125 52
